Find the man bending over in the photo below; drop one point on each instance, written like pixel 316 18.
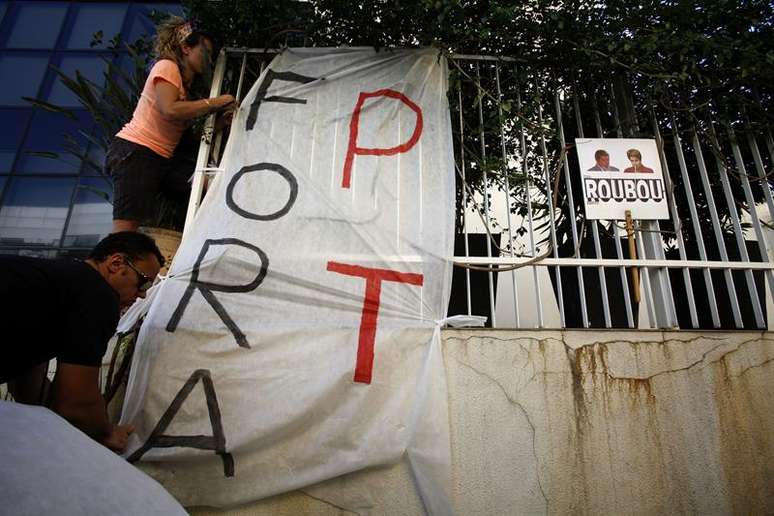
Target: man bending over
pixel 68 310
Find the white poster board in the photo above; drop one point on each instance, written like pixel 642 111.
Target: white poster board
pixel 621 174
pixel 298 336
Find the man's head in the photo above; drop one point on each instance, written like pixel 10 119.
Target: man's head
pixel 602 158
pixel 129 262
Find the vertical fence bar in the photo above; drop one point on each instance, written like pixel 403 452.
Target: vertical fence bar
pixel 242 69
pixel 594 229
pixel 507 191
pixel 571 209
pixel 551 214
pixel 528 200
pixel 614 228
pixel 762 179
pixel 646 286
pixel 645 271
pixel 464 197
pixel 669 188
pixel 742 171
pixel 486 191
pixel 738 233
pixel 716 228
pixel 695 223
pixel 197 187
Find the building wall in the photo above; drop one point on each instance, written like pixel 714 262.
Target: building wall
pixel 602 422
pixel 48 206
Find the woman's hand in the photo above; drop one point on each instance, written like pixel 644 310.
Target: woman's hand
pixel 225 117
pixel 223 102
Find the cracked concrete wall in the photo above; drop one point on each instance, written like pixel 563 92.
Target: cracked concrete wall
pixel 587 422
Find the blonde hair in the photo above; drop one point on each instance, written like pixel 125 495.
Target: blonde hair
pixel 171 34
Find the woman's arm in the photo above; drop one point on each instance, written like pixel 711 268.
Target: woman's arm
pixel 169 104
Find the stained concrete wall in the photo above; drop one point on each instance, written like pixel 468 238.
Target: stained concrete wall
pixel 587 422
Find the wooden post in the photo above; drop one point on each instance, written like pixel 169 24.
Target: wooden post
pixel 633 255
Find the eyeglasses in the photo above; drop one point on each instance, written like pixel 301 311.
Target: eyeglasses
pixel 144 282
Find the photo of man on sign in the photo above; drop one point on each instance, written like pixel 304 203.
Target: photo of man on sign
pixel 603 162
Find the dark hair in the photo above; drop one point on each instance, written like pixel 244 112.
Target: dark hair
pixel 600 153
pixel 134 245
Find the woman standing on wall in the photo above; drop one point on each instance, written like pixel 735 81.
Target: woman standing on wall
pixel 140 158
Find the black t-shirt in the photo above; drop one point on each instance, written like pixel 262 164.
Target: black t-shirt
pixel 53 308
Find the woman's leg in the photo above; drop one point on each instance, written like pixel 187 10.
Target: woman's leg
pixel 137 173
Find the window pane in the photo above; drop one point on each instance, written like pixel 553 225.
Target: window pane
pixel 96 164
pixel 20 76
pixel 47 134
pixel 92 67
pixel 36 24
pixel 92 216
pixel 34 210
pixel 14 122
pixel 92 18
pixel 142 25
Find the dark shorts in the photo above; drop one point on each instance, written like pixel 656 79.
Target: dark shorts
pixel 140 177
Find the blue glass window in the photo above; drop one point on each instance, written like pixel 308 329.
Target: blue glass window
pixel 96 157
pixel 20 75
pixel 13 122
pixel 92 67
pixel 34 210
pixel 92 215
pixel 91 18
pixel 35 24
pixel 47 134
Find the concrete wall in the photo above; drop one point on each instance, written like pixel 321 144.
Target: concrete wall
pixel 587 422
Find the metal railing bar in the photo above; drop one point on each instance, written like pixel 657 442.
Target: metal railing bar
pixel 464 198
pixel 716 227
pixel 756 223
pixel 594 229
pixel 486 192
pixel 507 191
pixel 665 286
pixel 616 236
pixel 613 262
pixel 738 233
pixel 241 78
pixel 528 200
pixel 646 285
pixel 571 208
pixel 763 180
pixel 671 201
pixel 551 214
pixel 197 186
pixel 695 222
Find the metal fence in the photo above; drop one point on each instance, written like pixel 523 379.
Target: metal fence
pixel 527 255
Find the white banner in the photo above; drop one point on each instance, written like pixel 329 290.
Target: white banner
pixel 297 338
pixel 622 174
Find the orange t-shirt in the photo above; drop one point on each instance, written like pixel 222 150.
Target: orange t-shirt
pixel 148 127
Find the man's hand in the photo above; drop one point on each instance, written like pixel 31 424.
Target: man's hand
pixel 117 439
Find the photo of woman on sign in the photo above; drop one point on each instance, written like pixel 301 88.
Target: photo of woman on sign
pixel 636 160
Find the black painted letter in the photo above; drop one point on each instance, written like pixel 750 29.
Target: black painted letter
pixel 206 289
pixel 215 442
pixel 282 171
pixel 260 96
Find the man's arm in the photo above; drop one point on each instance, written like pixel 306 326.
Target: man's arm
pixel 76 397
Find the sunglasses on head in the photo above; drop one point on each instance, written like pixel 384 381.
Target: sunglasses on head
pixel 143 281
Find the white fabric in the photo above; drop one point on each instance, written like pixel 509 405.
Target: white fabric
pixel 292 414
pixel 50 467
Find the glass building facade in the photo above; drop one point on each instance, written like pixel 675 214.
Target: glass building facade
pixel 56 206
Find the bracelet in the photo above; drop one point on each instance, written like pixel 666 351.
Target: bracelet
pixel 207 101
